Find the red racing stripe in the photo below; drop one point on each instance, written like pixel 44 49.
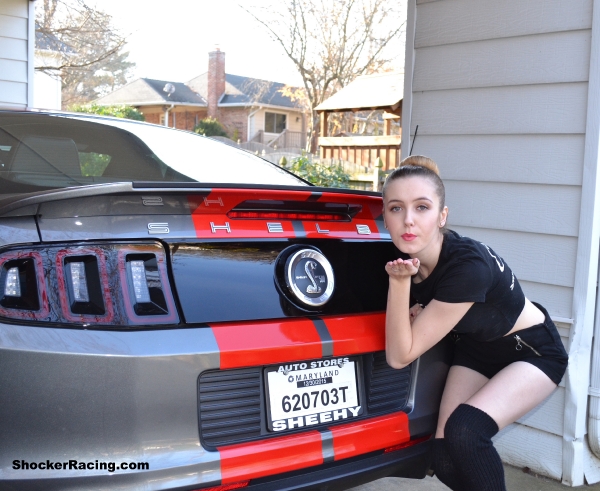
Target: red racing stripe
pixel 265 343
pixel 273 456
pixel 354 439
pixel 356 334
pixel 209 215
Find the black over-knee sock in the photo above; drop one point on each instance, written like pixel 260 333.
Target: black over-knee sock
pixel 468 434
pixel 443 467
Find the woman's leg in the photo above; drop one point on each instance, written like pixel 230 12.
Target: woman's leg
pixel 510 394
pixel 468 440
pixel 462 383
pixel 513 392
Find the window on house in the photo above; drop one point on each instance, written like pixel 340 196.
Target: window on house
pixel 275 123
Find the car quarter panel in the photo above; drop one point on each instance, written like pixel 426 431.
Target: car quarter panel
pixel 17 230
pixel 104 396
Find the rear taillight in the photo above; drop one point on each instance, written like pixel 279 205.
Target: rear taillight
pixel 22 286
pixel 146 287
pixel 82 282
pixel 88 285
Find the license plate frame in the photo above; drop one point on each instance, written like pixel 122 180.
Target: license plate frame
pixel 318 376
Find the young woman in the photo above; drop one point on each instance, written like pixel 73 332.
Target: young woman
pixel 508 354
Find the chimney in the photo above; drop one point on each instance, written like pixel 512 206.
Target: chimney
pixel 216 80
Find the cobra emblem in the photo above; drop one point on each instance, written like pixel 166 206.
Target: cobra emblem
pixel 309 267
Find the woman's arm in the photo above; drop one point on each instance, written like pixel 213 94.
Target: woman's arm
pixel 405 343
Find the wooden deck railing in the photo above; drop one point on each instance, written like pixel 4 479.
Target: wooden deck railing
pixel 362 150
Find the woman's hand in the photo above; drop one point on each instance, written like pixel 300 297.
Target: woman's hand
pixel 402 268
pixel 415 310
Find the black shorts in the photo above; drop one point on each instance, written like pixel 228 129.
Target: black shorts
pixel 539 345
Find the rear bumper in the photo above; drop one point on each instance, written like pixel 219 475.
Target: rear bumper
pixel 412 462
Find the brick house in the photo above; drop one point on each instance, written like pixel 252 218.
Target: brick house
pixel 250 109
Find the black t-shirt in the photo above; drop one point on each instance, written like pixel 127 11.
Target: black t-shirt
pixel 469 271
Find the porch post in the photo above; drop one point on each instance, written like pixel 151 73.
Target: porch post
pixel 322 130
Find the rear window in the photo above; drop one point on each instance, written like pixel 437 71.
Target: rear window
pixel 42 151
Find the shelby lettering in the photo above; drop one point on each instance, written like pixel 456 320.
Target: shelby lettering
pixel 74 465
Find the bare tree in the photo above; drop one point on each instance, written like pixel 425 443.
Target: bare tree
pixel 91 59
pixel 332 42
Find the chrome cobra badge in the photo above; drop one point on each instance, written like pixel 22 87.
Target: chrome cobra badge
pixel 309 276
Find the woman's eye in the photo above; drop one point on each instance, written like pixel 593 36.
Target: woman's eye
pixel 422 207
pixel 395 208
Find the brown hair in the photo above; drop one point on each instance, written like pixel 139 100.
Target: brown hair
pixel 419 166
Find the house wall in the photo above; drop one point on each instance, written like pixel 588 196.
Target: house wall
pixel 258 120
pixel 499 91
pixel 16 53
pixel 235 121
pixel 232 118
pixel 185 119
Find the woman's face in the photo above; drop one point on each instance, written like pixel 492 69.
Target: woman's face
pixel 411 210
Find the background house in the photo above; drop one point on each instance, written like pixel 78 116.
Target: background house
pixel 17 41
pixel 506 96
pixel 162 102
pixel 249 109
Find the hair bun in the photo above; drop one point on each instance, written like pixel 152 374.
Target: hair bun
pixel 421 161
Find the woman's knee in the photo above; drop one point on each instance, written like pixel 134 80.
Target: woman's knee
pixel 468 428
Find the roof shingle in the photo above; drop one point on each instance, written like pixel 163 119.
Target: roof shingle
pixel 146 91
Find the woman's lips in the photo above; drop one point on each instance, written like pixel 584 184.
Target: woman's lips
pixel 409 237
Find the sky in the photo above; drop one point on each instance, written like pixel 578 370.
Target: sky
pixel 170 39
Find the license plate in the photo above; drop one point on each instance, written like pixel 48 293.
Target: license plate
pixel 311 393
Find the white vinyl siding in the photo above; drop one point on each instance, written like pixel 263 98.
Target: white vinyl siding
pixel 528 447
pixel 536 208
pixel 552 108
pixel 459 21
pixel 535 159
pixel 13 71
pixel 15 52
pixel 552 57
pixel 499 91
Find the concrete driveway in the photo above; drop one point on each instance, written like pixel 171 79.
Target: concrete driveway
pixel 516 480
